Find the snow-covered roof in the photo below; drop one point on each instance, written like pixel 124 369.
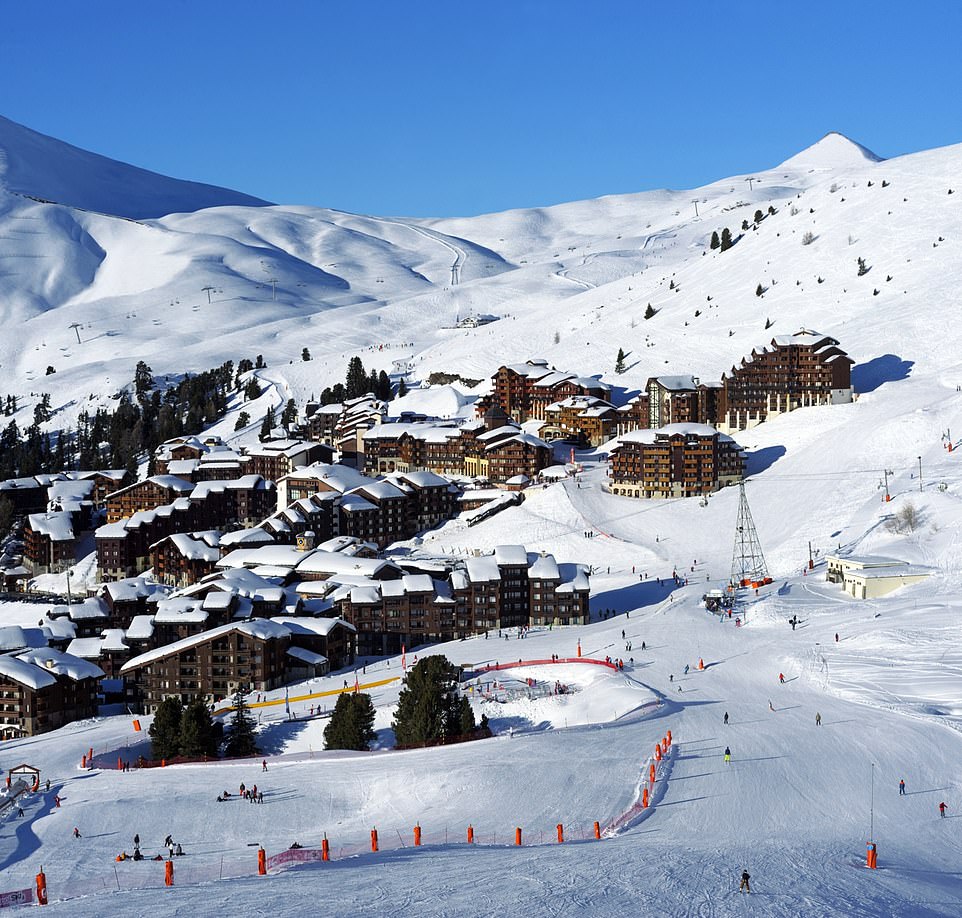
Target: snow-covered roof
pixel 180 610
pixel 309 624
pixel 511 555
pixel 62 664
pixel 260 628
pixel 25 673
pixel 197 546
pixel 57 525
pixel 141 628
pixel 544 568
pixel 17 637
pixel 676 383
pixel 409 583
pixel 483 569
pixel 307 656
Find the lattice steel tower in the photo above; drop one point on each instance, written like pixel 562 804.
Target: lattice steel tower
pixel 748 562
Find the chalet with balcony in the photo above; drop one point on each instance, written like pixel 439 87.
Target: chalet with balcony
pixel 680 460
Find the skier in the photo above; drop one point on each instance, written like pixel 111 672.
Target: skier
pixel 643 645
pixel 942 809
pixel 686 669
pixel 76 831
pixel 728 754
pixel 836 637
pixel 168 842
pixel 818 719
pixel 726 718
pixel 671 677
pixel 901 787
pixel 744 883
pixel 56 799
pixel 137 841
pixel 781 678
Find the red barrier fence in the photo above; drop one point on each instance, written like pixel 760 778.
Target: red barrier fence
pixel 500 666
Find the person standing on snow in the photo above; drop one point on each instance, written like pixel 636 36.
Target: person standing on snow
pixel 818 719
pixel 76 831
pixel 901 787
pixel 781 678
pixel 744 885
pixel 942 809
pixel 728 754
pixel 726 718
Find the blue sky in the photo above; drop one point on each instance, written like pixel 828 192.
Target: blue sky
pixel 428 108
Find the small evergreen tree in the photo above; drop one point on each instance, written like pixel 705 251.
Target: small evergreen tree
pixel 352 723
pixel 305 355
pixel 241 741
pixel 726 239
pixel 759 216
pixel 429 707
pixel 862 268
pixel 267 425
pixel 383 391
pixel 165 730
pixel 259 362
pixel 620 361
pixel 197 731
pixel 402 388
pixel 289 414
pixel 650 312
pixel 759 290
pixel 252 390
pixel 715 241
pixel 243 419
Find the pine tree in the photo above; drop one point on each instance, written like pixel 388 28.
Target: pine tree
pixel 197 731
pixel 759 290
pixel 289 414
pixel 356 382
pixel 650 312
pixel 241 741
pixel 620 361
pixel 305 355
pixel 726 239
pixel 352 723
pixel 165 730
pixel 402 388
pixel 383 387
pixel 243 419
pixel 715 241
pixel 862 268
pixel 267 425
pixel 429 707
pixel 759 216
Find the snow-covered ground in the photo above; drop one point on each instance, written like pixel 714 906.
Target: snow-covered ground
pixel 571 283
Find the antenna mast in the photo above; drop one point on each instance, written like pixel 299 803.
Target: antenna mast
pixel 748 562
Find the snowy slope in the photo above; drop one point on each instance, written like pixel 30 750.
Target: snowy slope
pixel 43 167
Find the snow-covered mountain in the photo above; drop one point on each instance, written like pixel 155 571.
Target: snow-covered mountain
pixel 39 166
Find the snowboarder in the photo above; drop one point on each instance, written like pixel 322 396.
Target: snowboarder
pixel 744 885
pixel 726 718
pixel 942 809
pixel 901 787
pixel 728 754
pixel 818 719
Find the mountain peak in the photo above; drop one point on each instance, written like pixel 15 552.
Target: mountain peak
pixel 43 167
pixel 833 151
